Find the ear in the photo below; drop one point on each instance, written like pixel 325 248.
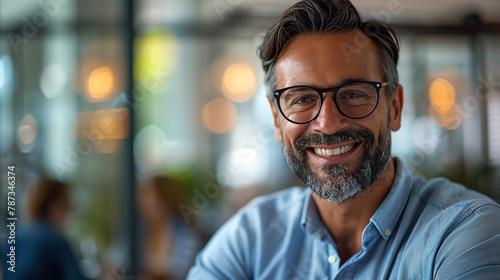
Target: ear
pixel 277 128
pixel 396 107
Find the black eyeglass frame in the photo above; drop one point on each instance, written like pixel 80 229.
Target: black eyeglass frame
pixel 377 85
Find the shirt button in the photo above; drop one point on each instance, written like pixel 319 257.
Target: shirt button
pixel 388 232
pixel 332 258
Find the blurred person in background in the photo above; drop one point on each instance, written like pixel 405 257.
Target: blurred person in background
pixel 168 244
pixel 42 250
pixel 335 99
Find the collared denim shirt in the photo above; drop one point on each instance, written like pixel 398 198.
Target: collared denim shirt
pixel 424 229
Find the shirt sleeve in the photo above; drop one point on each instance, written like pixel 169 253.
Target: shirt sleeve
pixel 227 254
pixel 472 249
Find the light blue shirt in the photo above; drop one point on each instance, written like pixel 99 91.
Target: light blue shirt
pixel 424 229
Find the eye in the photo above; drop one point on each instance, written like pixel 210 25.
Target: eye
pixel 305 99
pixel 353 94
pixel 299 98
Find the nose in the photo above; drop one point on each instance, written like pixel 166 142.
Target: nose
pixel 329 120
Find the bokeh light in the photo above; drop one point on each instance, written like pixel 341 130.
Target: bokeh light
pixel 103 124
pixel 449 120
pixel 219 115
pixel 443 109
pixel 28 129
pixel 238 82
pixel 452 118
pixel 53 80
pixel 2 72
pixel 442 95
pixel 100 84
pixel 5 73
pixel 105 129
pixel 113 123
pixel 156 58
pixel 150 148
pixel 109 146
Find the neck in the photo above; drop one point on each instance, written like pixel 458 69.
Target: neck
pixel 346 220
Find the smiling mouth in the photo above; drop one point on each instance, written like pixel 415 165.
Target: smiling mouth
pixel 333 152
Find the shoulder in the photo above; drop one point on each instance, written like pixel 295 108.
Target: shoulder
pixel 441 204
pixel 444 209
pixel 443 195
pixel 463 230
pixel 454 231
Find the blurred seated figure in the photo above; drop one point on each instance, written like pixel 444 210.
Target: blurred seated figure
pixel 42 251
pixel 168 244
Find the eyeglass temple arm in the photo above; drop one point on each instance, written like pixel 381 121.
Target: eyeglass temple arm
pixel 384 84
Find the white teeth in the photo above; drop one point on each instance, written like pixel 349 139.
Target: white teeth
pixel 332 152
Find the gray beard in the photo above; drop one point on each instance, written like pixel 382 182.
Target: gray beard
pixel 339 184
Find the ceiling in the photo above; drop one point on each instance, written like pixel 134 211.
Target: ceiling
pixel 412 12
pixel 418 12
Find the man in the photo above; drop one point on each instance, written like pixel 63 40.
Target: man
pixel 335 98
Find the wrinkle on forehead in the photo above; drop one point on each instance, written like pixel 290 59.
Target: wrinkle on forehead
pixel 324 60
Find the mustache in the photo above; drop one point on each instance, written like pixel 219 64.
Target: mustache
pixel 344 135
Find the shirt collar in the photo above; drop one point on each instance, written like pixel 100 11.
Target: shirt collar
pixel 310 221
pixel 389 212
pixel 384 219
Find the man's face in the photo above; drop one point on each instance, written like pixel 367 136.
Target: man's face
pixel 312 149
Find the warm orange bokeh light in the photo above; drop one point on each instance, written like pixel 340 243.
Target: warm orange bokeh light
pixel 239 83
pixel 452 118
pixel 105 129
pixel 110 146
pixel 449 120
pixel 442 95
pixel 100 84
pixel 219 115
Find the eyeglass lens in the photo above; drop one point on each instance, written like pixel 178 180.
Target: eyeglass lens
pixel 302 104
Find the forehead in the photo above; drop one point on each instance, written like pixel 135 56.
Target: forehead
pixel 326 60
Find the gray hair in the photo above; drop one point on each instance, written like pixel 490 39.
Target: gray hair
pixel 325 17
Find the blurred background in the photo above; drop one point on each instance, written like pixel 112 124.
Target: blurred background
pixel 109 96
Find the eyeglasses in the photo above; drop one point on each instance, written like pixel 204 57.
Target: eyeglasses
pixel 302 104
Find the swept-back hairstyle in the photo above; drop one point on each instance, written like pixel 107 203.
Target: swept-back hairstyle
pixel 326 17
